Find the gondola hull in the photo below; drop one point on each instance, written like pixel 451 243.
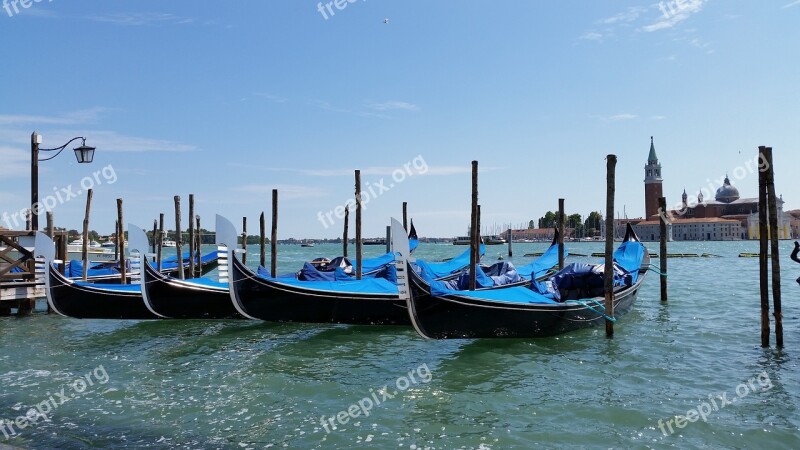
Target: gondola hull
pixel 455 316
pixel 271 300
pixel 520 312
pixel 88 301
pixel 185 299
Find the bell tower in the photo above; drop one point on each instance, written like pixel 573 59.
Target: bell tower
pixel 652 183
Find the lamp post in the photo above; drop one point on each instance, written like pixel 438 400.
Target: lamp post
pixel 83 153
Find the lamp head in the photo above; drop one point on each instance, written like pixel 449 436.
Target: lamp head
pixel 84 154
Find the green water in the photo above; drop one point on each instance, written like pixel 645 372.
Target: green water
pixel 244 384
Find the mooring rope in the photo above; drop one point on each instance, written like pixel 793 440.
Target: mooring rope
pixel 584 303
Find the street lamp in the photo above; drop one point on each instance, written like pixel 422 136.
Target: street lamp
pixel 83 153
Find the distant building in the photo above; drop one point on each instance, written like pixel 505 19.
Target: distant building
pixel 727 217
pixel 534 234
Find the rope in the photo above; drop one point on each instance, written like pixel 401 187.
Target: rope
pixel 597 302
pixel 656 269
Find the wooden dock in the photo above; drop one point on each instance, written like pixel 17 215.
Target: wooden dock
pixel 19 284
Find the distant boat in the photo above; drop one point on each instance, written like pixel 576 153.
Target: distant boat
pixel 494 240
pixel 168 243
pixel 307 244
pixel 488 240
pixel 108 244
pixel 374 241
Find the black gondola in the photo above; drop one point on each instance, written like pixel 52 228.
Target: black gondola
pixel 198 298
pixel 370 301
pixel 522 312
pixel 83 300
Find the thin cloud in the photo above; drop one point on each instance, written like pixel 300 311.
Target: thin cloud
pixel 673 14
pixel 271 97
pixel 592 36
pixel 658 117
pixel 111 141
pixel 16 162
pixel 78 117
pixel 322 104
pixel 789 5
pixel 373 171
pixel 627 16
pixel 393 105
pixel 140 19
pixel 617 117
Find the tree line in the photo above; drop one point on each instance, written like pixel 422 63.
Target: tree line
pixel 581 228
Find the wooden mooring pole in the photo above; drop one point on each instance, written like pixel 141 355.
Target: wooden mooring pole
pixel 123 271
pixel 510 239
pixel 50 224
pixel 608 272
pixel 199 252
pixel 244 239
pixel 560 233
pixel 474 232
pixel 85 246
pixel 191 236
pixel 358 225
pixel 344 236
pixel 662 252
pixel 763 263
pixel 155 236
pixel 405 216
pixel 179 237
pixel 273 240
pixel 772 200
pixel 262 240
pixel 160 243
pixel 116 240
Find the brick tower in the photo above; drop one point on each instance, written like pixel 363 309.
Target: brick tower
pixel 652 183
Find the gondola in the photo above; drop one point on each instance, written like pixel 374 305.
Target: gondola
pixel 570 299
pixel 369 301
pixel 84 300
pixel 197 298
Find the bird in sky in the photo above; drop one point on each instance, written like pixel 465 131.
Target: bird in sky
pixel 385 21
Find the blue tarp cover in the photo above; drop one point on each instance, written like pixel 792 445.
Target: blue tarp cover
pixel 518 294
pixel 629 256
pixel 455 265
pixel 345 284
pixel 171 261
pixel 542 264
pixel 75 269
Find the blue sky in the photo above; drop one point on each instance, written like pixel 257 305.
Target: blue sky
pixel 228 100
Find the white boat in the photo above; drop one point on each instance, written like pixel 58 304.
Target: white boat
pixel 461 240
pixel 487 240
pixel 168 243
pixel 494 240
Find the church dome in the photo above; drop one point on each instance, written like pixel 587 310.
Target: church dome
pixel 727 193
